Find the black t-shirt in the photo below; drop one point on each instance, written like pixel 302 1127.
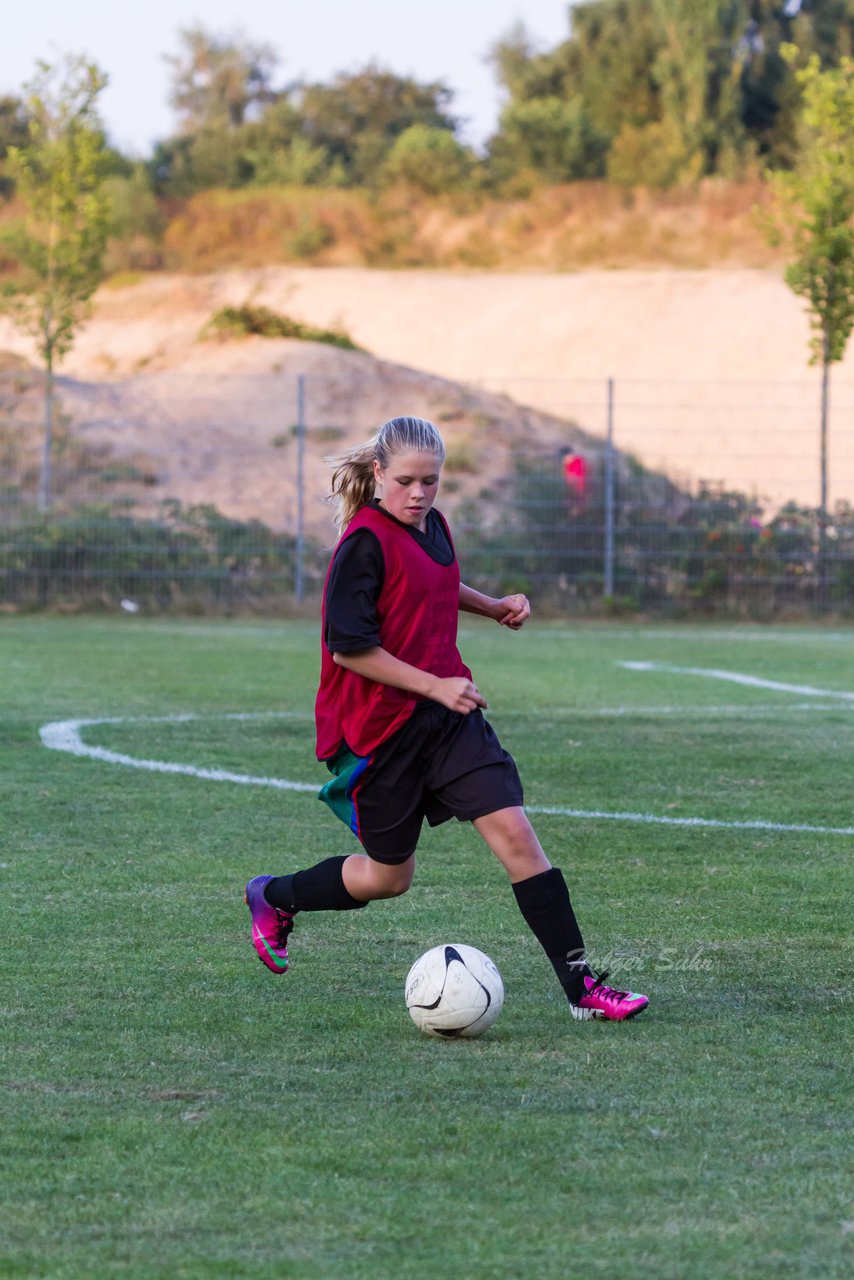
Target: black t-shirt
pixel 356 579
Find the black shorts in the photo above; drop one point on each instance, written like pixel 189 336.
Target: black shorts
pixel 440 765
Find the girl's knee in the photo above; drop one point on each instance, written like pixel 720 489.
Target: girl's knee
pixel 391 880
pixel 399 884
pixel 396 890
pixel 510 830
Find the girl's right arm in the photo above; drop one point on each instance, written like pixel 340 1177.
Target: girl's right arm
pixel 458 693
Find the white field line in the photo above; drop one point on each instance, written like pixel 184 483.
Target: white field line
pixel 655 820
pixel 741 636
pixel 742 710
pixel 739 709
pixel 738 677
pixel 65 735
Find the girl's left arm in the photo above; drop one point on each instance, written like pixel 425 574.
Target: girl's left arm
pixel 508 611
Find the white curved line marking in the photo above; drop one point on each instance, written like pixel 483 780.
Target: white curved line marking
pixel 738 677
pixel 64 735
pixel 757 825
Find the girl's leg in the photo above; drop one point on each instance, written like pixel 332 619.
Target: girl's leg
pixel 336 884
pixel 340 884
pixel 514 842
pixel 367 880
pixel 541 894
pixel 543 899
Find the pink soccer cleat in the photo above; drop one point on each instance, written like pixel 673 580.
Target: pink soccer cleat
pixel 270 926
pixel 606 1002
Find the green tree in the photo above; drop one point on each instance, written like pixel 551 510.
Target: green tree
pixel 358 118
pixel 297 164
pixel 192 162
pixel 136 222
pixel 60 243
pixel 825 27
pixel 602 75
pixel 219 81
pixel 675 88
pixel 314 134
pixel 429 160
pixel 524 72
pixel 610 62
pixel 814 218
pixel 767 89
pixel 698 70
pixel 651 155
pixel 619 72
pixel 554 137
pixel 13 133
pixel 768 92
pixel 279 153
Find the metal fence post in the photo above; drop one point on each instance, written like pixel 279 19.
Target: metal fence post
pixel 299 550
pixel 609 496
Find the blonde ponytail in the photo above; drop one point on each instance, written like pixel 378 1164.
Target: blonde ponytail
pixel 353 485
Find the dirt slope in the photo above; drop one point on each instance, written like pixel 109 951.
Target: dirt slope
pixel 711 367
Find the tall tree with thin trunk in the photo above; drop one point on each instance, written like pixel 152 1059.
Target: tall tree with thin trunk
pixel 59 244
pixel 814 217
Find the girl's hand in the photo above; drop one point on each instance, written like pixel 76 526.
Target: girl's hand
pixel 514 611
pixel 458 694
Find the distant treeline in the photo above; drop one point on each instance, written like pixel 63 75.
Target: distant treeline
pixel 642 92
pixel 646 103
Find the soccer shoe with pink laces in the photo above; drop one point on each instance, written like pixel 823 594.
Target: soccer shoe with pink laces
pixel 270 926
pixel 600 1001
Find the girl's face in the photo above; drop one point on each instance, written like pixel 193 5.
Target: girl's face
pixel 409 486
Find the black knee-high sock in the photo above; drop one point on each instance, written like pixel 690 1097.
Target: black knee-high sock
pixel 320 888
pixel 544 902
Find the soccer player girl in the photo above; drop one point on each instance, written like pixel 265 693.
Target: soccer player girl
pixel 400 719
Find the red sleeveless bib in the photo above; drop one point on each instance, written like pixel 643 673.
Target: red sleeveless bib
pixel 417 612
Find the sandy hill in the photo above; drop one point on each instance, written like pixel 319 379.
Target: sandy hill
pixel 711 370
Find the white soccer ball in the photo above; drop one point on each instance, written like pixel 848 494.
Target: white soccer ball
pixel 453 991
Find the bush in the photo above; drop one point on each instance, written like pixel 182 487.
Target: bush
pixel 554 137
pixel 429 160
pixel 188 556
pixel 651 155
pixel 240 322
pixel 136 224
pixel 674 551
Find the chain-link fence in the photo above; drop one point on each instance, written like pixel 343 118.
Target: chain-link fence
pixel 207 492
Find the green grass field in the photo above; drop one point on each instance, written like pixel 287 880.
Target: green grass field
pixel 173 1111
